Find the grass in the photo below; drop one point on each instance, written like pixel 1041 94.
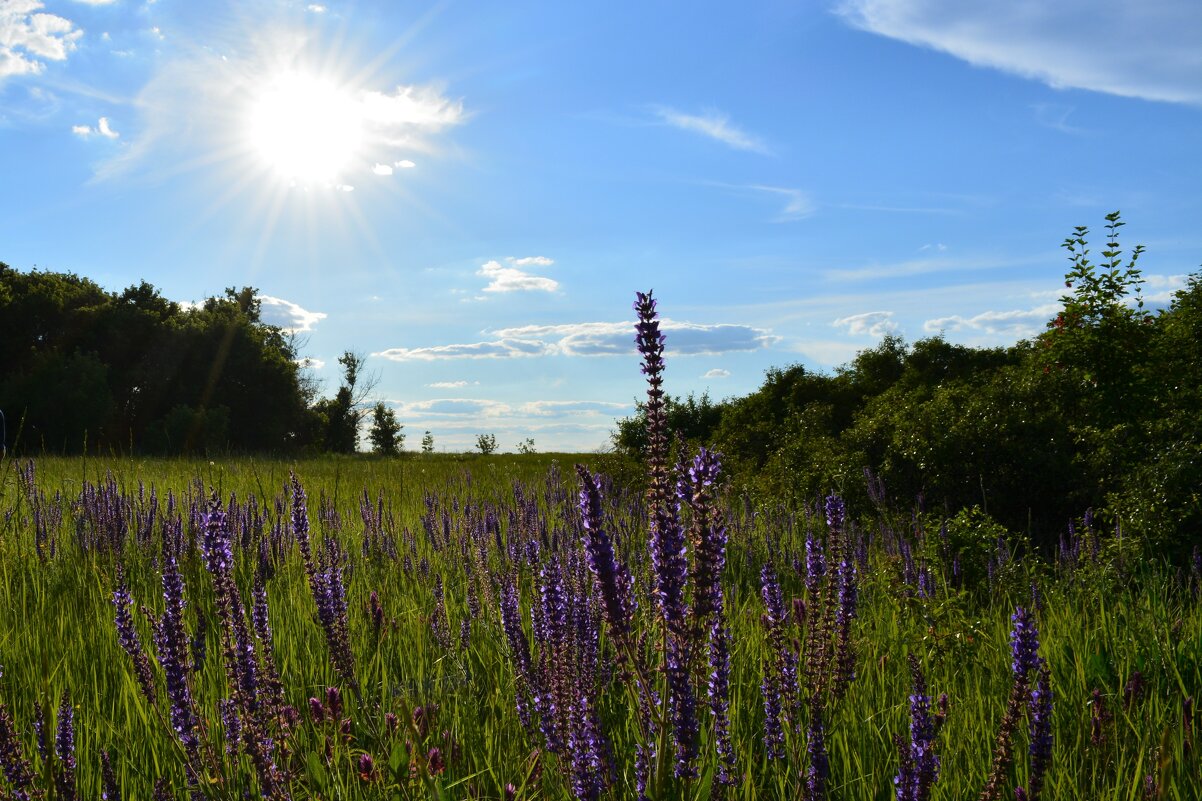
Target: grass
pixel 1099 625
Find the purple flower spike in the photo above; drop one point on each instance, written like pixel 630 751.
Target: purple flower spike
pixel 64 750
pixel 1040 730
pixel 611 578
pixel 1024 644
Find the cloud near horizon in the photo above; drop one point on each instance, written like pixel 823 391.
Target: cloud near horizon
pixel 593 339
pixel 1147 50
pixel 1017 323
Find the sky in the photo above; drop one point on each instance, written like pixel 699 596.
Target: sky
pixel 470 194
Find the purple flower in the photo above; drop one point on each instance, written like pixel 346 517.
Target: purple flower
pixel 12 760
pixel 920 764
pixel 127 637
pixel 64 750
pixel 719 698
pixel 707 533
pixel 779 667
pixel 1040 730
pixel 110 790
pixel 815 563
pixel 171 644
pixel 611 579
pixel 819 769
pixel 1024 644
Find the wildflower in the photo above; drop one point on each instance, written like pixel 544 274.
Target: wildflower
pixel 611 579
pixel 16 768
pixel 64 750
pixel 110 790
pixel 127 637
pixel 920 763
pixel 1040 730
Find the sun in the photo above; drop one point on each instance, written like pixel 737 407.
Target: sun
pixel 305 128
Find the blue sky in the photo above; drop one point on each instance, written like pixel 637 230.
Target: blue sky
pixel 471 193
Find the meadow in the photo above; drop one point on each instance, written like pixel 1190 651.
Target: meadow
pixel 518 627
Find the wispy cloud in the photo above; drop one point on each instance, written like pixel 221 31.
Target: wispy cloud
pixel 1147 50
pixel 716 372
pixel 592 339
pixel 311 363
pixel 1015 323
pixel 798 204
pixel 874 323
pixel 288 315
pixel 716 126
pixel 1055 116
pixel 102 128
pixel 531 261
pixel 30 37
pixel 452 384
pixel 382 169
pixel 510 279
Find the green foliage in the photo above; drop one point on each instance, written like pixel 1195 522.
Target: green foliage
pixel 694 418
pixel 526 446
pixel 486 443
pixel 385 435
pixel 1101 410
pixel 427 442
pixel 113 369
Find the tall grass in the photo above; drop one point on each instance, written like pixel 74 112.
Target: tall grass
pixel 1104 626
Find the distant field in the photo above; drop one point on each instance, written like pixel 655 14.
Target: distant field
pixel 460 611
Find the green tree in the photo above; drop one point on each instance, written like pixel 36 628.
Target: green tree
pixel 385 435
pixel 487 443
pixel 427 442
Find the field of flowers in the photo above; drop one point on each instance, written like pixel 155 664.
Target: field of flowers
pixel 525 627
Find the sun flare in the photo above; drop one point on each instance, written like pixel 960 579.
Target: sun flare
pixel 305 128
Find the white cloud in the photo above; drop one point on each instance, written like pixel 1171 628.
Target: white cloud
pixel 549 408
pixel 102 129
pixel 511 279
pixel 798 204
pixel 452 384
pixel 382 169
pixel 96 2
pixel 473 350
pixel 288 315
pixel 592 339
pixel 27 36
pixel 938 246
pixel 317 8
pixel 716 126
pixel 404 164
pixel 1017 323
pixel 716 372
pixel 527 261
pixel 1148 49
pixel 410 107
pixel 310 363
pixel 874 324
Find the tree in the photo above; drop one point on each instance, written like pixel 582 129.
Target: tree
pixel 487 443
pixel 385 435
pixel 527 446
pixel 427 442
pixel 344 412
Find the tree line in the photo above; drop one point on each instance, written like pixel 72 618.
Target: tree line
pixel 87 370
pixel 1102 411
